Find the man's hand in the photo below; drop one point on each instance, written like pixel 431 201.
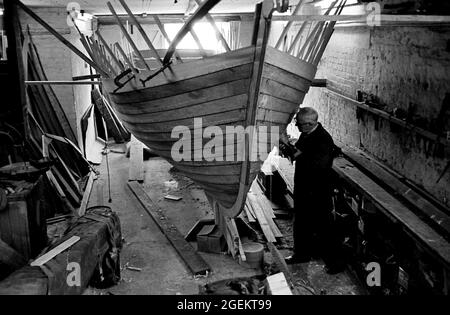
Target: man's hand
pixel 297 153
pixel 284 138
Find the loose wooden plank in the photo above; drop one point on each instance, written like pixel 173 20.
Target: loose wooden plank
pixel 136 171
pixel 87 194
pixel 277 285
pixel 193 260
pixel 68 189
pixel 286 171
pixel 265 227
pixel 265 203
pixel 268 213
pixel 42 260
pixel 250 216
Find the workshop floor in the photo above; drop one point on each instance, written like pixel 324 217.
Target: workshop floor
pixel 161 271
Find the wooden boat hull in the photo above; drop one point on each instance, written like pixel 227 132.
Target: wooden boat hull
pixel 218 90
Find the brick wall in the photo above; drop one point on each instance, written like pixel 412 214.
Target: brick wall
pixel 400 67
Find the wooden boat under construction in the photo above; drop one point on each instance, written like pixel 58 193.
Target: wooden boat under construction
pixel 257 86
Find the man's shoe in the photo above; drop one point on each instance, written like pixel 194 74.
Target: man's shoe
pixel 334 269
pixel 297 259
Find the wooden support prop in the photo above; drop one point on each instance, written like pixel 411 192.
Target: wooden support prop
pixel 99 56
pixel 164 33
pixel 309 39
pixel 199 44
pixel 127 36
pixel 59 36
pixel 125 58
pixel 193 260
pixel 110 52
pixel 106 61
pixel 327 35
pixel 313 42
pixel 297 37
pixel 86 194
pixel 323 41
pixel 136 171
pixel 141 30
pixel 202 10
pixel 219 35
pixel 288 25
pixel 85 43
pixel 55 251
pixel 234 240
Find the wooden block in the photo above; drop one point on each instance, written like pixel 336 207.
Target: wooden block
pixel 210 239
pixel 136 172
pixel 198 226
pixel 277 285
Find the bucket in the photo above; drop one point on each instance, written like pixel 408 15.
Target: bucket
pixel 254 253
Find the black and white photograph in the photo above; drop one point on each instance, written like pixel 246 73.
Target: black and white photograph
pixel 224 152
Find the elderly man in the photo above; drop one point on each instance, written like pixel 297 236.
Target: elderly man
pixel 313 220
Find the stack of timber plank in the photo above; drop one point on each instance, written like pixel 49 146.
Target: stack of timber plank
pixel 47 119
pixel 258 209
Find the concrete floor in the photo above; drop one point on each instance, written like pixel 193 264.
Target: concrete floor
pixel 145 247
